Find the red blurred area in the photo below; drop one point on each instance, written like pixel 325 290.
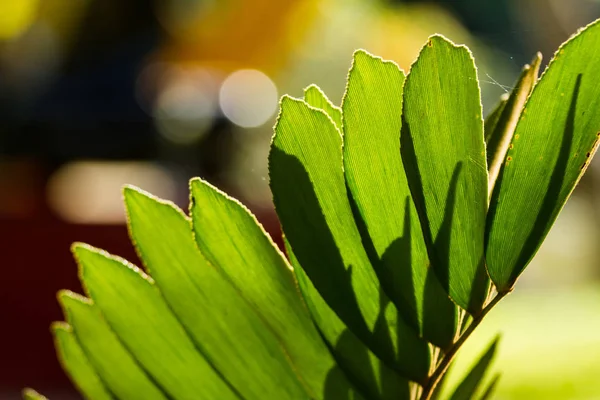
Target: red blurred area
pixel 36 264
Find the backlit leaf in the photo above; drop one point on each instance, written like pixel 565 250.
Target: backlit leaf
pixel 76 364
pixel 505 119
pixel 553 143
pixel 444 157
pixel 138 314
pixel 233 241
pixel 315 97
pixel 359 363
pixel 311 200
pixel 468 387
pixel 110 359
pixel 389 225
pixel 225 328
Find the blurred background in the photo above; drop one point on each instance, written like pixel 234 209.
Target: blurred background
pixel 95 94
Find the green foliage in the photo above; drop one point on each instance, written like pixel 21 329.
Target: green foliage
pixel 397 208
pixel 30 394
pixel 76 364
pixel 379 189
pixel 468 387
pixel 553 143
pixel 443 150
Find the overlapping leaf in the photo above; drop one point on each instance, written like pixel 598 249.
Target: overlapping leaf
pixel 77 365
pixel 444 158
pixel 553 143
pixel 315 97
pixel 372 109
pixel 139 315
pixel 109 358
pixel 222 324
pixel 311 200
pixel 468 387
pixel 233 241
pixel 500 125
pixel 383 204
pixel 369 373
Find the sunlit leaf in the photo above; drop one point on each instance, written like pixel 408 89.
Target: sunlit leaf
pixel 111 361
pixel 390 227
pixel 233 241
pixel 76 364
pixel 226 329
pixel 311 200
pixel 394 209
pixel 468 387
pixel 366 370
pixel 138 314
pixel 492 119
pixel 30 394
pixel 315 97
pixel 489 390
pixel 499 132
pixel 553 143
pixel 443 153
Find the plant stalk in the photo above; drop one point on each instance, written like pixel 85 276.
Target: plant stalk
pixel 449 356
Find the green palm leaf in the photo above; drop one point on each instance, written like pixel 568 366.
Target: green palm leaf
pixel 553 143
pixel 234 242
pixel 391 229
pixel 317 220
pixel 105 352
pixel 137 312
pixel 383 203
pixel 468 387
pixel 444 156
pixel 230 334
pixel 500 126
pixel 76 364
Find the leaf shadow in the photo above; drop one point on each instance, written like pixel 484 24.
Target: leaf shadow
pixel 395 265
pixel 316 251
pixel 547 214
pixel 439 247
pixel 313 243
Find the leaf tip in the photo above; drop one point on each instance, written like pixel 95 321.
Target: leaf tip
pixel 66 296
pixel 361 56
pixel 130 188
pixel 31 394
pixel 58 328
pixel 134 193
pixel 312 88
pixel 81 249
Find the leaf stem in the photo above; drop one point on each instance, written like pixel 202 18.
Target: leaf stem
pixel 449 356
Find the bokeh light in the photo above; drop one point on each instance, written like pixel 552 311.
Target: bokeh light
pixel 186 104
pixel 89 192
pixel 248 98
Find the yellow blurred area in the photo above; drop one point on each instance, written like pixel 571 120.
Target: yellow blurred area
pixel 398 34
pixel 235 34
pixel 16 16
